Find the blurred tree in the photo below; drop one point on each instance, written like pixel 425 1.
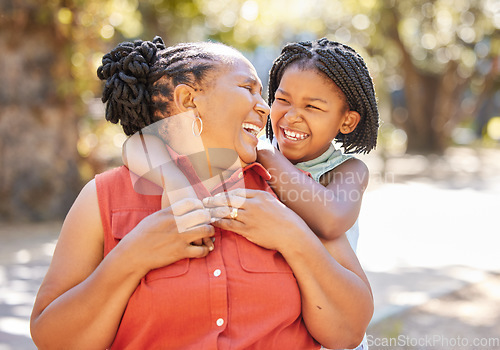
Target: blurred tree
pixel 48 49
pixel 444 48
pixel 425 56
pixel 432 51
pixel 38 170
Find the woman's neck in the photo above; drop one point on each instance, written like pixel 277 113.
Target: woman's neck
pixel 215 165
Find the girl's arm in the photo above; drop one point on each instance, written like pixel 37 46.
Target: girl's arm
pixel 337 302
pixel 329 211
pixel 147 156
pixel 83 295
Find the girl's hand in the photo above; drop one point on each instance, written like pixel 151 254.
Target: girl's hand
pixel 184 193
pixel 166 236
pixel 256 215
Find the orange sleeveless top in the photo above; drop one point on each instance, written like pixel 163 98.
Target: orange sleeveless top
pixel 240 296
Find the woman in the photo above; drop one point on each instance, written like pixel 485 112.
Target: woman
pixel 122 275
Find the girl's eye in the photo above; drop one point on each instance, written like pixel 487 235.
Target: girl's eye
pixel 313 107
pixel 281 99
pixel 248 87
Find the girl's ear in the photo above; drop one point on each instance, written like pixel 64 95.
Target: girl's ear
pixel 350 122
pixel 184 97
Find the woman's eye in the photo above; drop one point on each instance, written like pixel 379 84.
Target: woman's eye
pixel 248 87
pixel 281 99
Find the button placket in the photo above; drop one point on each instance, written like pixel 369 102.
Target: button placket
pixel 218 284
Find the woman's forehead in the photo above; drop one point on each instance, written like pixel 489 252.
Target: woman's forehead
pixel 242 70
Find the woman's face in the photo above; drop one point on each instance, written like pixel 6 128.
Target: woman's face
pixel 232 110
pixel 306 114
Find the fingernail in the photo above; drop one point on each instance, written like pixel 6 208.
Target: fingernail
pixel 213 220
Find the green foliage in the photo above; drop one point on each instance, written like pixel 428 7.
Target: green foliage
pixel 428 34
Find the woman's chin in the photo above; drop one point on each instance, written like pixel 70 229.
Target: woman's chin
pixel 249 156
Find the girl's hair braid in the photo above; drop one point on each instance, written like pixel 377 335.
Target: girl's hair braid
pixel 347 69
pixel 141 77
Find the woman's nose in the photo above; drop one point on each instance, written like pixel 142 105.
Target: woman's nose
pixel 262 108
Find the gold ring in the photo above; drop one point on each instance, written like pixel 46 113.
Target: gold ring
pixel 234 213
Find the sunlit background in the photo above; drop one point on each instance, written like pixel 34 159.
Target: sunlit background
pixel 429 222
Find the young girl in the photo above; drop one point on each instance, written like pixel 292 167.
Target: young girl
pixel 320 92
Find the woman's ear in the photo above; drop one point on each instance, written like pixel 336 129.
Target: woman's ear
pixel 184 97
pixel 350 122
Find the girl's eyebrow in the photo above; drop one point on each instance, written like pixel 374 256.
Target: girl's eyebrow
pixel 315 99
pixel 309 99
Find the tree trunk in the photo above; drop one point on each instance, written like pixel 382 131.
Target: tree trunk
pixel 432 100
pixel 38 126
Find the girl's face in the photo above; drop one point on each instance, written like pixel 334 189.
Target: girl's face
pixel 233 111
pixel 306 114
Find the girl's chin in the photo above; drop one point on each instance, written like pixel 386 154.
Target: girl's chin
pixel 291 156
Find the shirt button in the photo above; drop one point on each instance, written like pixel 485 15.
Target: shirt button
pixel 217 272
pixel 240 175
pixel 220 322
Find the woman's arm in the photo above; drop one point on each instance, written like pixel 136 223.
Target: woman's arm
pixel 337 303
pixel 83 296
pixel 329 211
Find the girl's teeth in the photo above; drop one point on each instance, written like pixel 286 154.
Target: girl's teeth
pixel 294 135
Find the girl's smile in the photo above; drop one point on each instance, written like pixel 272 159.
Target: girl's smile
pixel 293 135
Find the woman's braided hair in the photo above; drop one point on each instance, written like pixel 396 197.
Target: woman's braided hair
pixel 142 75
pixel 347 69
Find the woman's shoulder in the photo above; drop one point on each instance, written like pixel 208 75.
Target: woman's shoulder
pixel 118 177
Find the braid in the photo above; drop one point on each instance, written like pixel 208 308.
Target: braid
pixel 141 77
pixel 347 69
pixel 126 71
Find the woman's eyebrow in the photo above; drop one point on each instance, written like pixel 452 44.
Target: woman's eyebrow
pixel 253 81
pixel 250 80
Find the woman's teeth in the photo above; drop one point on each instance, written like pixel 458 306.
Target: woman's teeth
pixel 251 128
pixel 294 135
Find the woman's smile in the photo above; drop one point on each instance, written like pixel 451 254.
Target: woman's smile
pixel 251 128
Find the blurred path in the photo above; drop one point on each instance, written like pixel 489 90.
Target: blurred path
pixel 25 252
pixel 429 233
pixel 429 226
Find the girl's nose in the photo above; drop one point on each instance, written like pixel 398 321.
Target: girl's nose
pixel 292 115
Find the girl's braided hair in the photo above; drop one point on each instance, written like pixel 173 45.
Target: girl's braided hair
pixel 141 76
pixel 347 69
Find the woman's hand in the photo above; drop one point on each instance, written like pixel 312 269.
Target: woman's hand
pixel 256 215
pixel 167 236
